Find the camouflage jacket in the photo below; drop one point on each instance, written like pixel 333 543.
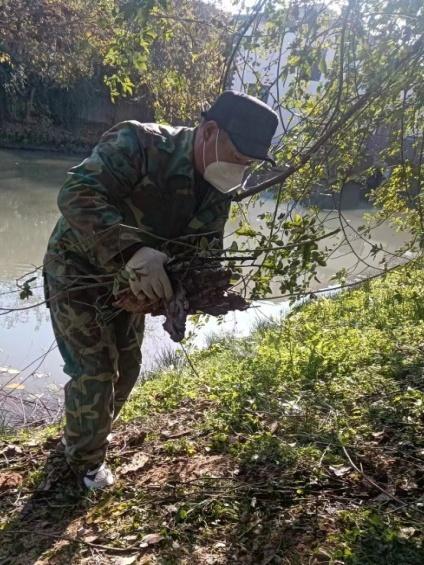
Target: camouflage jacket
pixel 138 187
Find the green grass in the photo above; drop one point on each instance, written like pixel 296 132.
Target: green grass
pixel 340 377
pixel 310 434
pixel 340 368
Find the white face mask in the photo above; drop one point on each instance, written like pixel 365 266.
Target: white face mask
pixel 224 176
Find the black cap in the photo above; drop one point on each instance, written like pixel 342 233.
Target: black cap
pixel 249 122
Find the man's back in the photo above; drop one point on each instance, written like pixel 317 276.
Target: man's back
pixel 138 187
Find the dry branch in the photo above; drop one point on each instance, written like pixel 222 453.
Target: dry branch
pixel 204 290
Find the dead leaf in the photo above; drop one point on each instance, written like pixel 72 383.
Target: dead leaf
pixel 340 470
pixel 273 427
pixel 15 386
pixel 9 371
pixel 407 533
pixel 219 544
pixel 171 508
pixel 138 461
pixel 126 560
pixel 187 468
pixel 90 539
pixel 172 435
pixel 9 480
pixel 408 484
pixel 172 423
pixel 11 450
pixel 146 560
pixel 151 539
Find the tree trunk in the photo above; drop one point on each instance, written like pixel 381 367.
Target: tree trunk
pixel 30 104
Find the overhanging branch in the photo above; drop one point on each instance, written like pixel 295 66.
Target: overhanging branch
pixel 415 49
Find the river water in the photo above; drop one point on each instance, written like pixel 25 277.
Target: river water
pixel 30 365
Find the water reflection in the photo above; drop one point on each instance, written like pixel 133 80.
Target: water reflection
pixel 29 183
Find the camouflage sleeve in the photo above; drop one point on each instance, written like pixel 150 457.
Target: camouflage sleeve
pixel 210 222
pixel 215 227
pixel 89 197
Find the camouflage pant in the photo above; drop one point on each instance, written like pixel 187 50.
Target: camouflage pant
pixel 101 350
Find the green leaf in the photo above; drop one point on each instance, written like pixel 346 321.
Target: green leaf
pixel 204 243
pixel 25 293
pixel 246 230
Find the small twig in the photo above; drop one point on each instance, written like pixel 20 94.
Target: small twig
pixel 193 368
pixel 403 506
pixel 369 479
pixel 77 540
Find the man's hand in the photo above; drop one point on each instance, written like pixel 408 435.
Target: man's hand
pixel 147 274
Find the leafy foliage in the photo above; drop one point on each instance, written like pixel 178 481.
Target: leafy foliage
pixel 172 50
pixel 53 41
pixel 166 53
pixel 346 82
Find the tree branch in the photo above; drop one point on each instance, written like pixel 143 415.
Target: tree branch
pixel 351 112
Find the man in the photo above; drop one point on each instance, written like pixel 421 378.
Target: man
pixel 147 192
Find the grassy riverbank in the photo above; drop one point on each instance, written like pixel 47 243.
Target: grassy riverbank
pixel 302 444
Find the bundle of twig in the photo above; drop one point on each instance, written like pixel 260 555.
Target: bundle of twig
pixel 196 290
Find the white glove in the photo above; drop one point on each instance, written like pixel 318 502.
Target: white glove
pixel 147 274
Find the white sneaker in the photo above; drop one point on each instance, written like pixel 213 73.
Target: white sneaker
pixel 99 478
